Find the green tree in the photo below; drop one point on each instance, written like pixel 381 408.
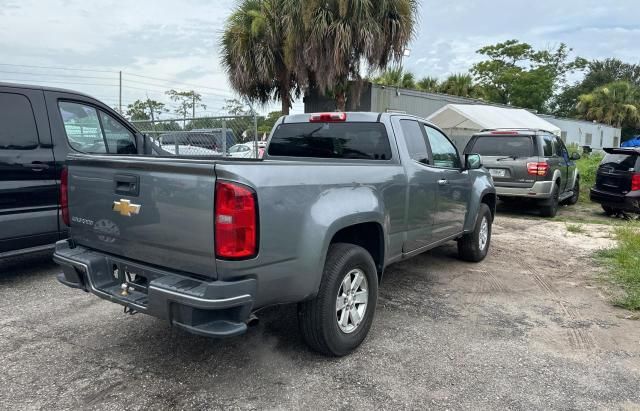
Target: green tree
pixel 428 84
pixel 396 77
pixel 329 39
pixel 254 52
pixel 265 124
pixel 145 110
pixel 187 102
pixel 235 107
pixel 599 73
pixel 515 73
pixel 616 104
pixel 460 85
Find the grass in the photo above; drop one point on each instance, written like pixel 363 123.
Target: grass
pixel 587 166
pixel 623 263
pixel 575 228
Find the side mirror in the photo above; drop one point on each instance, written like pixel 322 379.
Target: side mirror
pixel 575 156
pixel 473 161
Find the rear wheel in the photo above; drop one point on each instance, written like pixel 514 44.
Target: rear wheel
pixel 550 207
pixel 474 246
pixel 609 210
pixel 338 319
pixel 576 194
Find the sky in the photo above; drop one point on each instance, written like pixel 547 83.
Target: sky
pixel 160 44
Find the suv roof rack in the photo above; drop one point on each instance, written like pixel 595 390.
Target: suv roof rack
pixel 516 129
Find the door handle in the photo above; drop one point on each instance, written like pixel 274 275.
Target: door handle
pixel 37 166
pixel 443 182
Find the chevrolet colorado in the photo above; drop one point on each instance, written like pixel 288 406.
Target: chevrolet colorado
pixel 206 242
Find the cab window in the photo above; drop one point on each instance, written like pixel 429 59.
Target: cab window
pixel 444 153
pixel 93 131
pixel 17 124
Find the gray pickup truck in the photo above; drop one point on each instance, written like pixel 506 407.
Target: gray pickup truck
pixel 206 242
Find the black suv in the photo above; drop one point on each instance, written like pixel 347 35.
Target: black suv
pixel 618 181
pixel 529 164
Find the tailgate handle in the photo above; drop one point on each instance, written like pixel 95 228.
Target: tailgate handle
pixel 127 184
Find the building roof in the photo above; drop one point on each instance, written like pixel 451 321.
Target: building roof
pixel 478 117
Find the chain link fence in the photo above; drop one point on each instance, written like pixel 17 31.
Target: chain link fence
pixel 228 136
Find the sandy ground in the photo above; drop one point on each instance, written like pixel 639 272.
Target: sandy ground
pixel 531 327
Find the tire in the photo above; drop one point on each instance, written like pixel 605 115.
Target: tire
pixel 550 207
pixel 472 247
pixel 319 318
pixel 609 210
pixel 576 194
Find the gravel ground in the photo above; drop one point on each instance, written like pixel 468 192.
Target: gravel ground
pixel 529 328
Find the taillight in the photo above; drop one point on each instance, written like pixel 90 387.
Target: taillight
pixel 327 117
pixel 635 182
pixel 236 221
pixel 64 195
pixel 537 169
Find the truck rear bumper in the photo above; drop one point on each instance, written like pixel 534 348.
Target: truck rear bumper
pixel 540 189
pixel 208 308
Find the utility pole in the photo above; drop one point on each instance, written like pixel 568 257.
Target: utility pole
pixel 120 92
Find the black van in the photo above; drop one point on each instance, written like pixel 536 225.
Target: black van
pixel 617 185
pixel 39 126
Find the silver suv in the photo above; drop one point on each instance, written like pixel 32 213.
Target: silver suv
pixel 529 164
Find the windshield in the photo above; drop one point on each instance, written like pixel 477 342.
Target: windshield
pixel 331 140
pixel 511 146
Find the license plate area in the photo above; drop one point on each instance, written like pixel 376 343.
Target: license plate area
pixel 498 172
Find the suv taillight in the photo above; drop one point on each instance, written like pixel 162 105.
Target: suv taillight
pixel 236 221
pixel 64 195
pixel 635 182
pixel 537 169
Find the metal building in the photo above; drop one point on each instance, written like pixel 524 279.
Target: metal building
pixel 377 98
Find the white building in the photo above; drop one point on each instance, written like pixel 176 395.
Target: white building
pixel 585 133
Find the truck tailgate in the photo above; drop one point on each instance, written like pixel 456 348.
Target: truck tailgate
pixel 158 211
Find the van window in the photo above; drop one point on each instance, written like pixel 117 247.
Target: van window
pixel 502 146
pixel 92 131
pixel 367 141
pixel 17 124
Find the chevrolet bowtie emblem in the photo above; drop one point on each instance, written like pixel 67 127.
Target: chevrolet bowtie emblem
pixel 125 208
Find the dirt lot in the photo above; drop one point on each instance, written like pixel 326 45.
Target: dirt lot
pixel 529 328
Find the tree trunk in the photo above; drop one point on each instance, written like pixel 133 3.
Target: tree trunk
pixel 286 102
pixel 341 101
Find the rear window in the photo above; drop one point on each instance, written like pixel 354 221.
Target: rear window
pixel 621 162
pixel 367 141
pixel 518 146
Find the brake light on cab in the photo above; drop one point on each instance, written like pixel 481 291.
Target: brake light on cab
pixel 236 221
pixel 328 117
pixel 64 195
pixel 538 169
pixel 635 182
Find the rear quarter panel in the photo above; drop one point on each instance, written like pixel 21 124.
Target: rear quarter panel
pixel 481 185
pixel 301 206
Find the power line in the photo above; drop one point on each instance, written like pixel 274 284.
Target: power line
pixel 55 75
pixel 174 81
pixel 58 68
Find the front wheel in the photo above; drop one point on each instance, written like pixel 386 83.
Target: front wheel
pixel 576 193
pixel 338 319
pixel 474 246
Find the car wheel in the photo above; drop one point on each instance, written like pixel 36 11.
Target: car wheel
pixel 338 319
pixel 550 208
pixel 609 210
pixel 474 246
pixel 576 193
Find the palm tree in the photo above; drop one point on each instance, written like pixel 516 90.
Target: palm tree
pixel 253 53
pixel 332 37
pixel 396 77
pixel 616 104
pixel 428 84
pixel 459 85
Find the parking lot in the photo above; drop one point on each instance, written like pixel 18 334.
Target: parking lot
pixel 531 327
